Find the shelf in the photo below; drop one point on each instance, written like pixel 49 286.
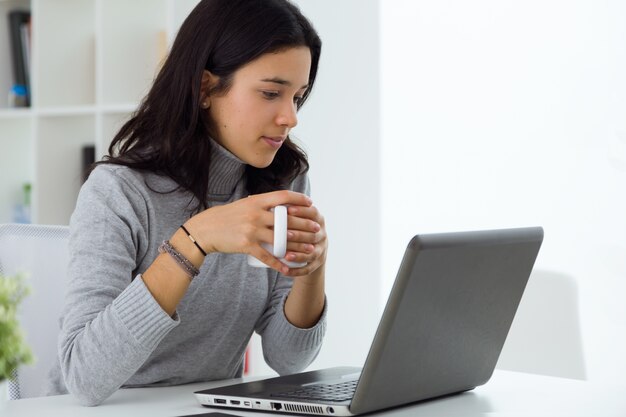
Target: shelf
pixel 118 108
pixel 27 112
pixel 92 62
pixel 65 111
pixel 20 113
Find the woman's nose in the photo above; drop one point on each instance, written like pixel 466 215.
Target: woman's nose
pixel 288 115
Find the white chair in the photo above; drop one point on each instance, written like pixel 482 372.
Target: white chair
pixel 545 337
pixel 40 252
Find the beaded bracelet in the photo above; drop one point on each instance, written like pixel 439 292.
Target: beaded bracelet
pixel 180 259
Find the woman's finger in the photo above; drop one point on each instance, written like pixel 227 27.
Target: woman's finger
pixel 281 198
pixel 300 257
pixel 300 247
pixel 306 225
pixel 264 235
pixel 268 259
pixel 306 270
pixel 298 236
pixel 308 212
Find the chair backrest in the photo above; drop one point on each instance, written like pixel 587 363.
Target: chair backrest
pixel 546 336
pixel 40 252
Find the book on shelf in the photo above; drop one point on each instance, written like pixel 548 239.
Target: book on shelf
pixel 89 157
pixel 19 33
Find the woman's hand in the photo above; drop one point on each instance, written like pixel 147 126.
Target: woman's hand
pixel 241 226
pixel 306 239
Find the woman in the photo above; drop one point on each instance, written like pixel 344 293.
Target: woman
pixel 160 292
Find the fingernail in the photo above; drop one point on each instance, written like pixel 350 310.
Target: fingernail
pixel 290 234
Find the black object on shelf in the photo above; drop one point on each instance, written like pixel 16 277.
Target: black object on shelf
pixel 89 157
pixel 19 35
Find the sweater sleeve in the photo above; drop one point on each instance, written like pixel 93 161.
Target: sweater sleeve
pixel 287 348
pixel 111 323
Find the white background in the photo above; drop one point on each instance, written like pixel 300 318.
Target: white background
pixel 506 113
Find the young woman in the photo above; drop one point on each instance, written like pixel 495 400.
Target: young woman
pixel 160 292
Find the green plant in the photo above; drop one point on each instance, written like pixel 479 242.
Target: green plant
pixel 13 349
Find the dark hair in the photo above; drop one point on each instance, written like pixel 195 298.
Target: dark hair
pixel 169 132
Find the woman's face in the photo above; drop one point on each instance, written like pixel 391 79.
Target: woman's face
pixel 256 114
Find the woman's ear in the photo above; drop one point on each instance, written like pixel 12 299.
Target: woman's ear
pixel 208 81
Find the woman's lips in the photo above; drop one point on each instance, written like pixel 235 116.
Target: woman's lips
pixel 274 142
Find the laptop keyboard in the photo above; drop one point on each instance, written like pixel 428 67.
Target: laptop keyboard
pixel 342 391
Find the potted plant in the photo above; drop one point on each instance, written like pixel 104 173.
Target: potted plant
pixel 13 349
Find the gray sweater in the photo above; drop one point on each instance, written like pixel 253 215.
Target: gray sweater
pixel 114 334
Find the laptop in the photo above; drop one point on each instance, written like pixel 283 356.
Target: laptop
pixel 441 332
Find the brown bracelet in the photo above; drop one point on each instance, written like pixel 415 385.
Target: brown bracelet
pixel 192 239
pixel 180 259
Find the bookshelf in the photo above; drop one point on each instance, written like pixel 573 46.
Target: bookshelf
pixel 91 63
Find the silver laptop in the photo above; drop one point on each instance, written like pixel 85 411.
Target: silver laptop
pixel 442 330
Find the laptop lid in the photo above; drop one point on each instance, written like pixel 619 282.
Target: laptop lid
pixel 442 330
pixel 447 316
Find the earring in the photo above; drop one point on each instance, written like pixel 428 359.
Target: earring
pixel 205 104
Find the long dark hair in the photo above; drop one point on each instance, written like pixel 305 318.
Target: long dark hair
pixel 168 133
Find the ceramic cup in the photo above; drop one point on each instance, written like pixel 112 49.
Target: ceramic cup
pixel 279 248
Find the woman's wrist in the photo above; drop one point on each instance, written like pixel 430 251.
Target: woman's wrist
pixel 195 232
pixel 305 302
pixel 186 247
pixel 193 240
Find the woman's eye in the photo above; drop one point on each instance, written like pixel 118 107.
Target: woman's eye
pixel 270 95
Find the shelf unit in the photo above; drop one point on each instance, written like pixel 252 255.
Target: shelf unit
pixel 91 63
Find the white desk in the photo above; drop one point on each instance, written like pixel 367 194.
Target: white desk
pixel 507 394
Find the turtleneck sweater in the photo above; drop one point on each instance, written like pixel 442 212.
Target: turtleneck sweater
pixel 114 334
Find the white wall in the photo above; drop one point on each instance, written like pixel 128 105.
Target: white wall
pixel 501 113
pixel 339 128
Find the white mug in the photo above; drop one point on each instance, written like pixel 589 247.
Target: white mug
pixel 279 249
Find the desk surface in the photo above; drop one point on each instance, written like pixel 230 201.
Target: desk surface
pixel 507 394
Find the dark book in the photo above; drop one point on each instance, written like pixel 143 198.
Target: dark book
pixel 89 157
pixel 19 35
